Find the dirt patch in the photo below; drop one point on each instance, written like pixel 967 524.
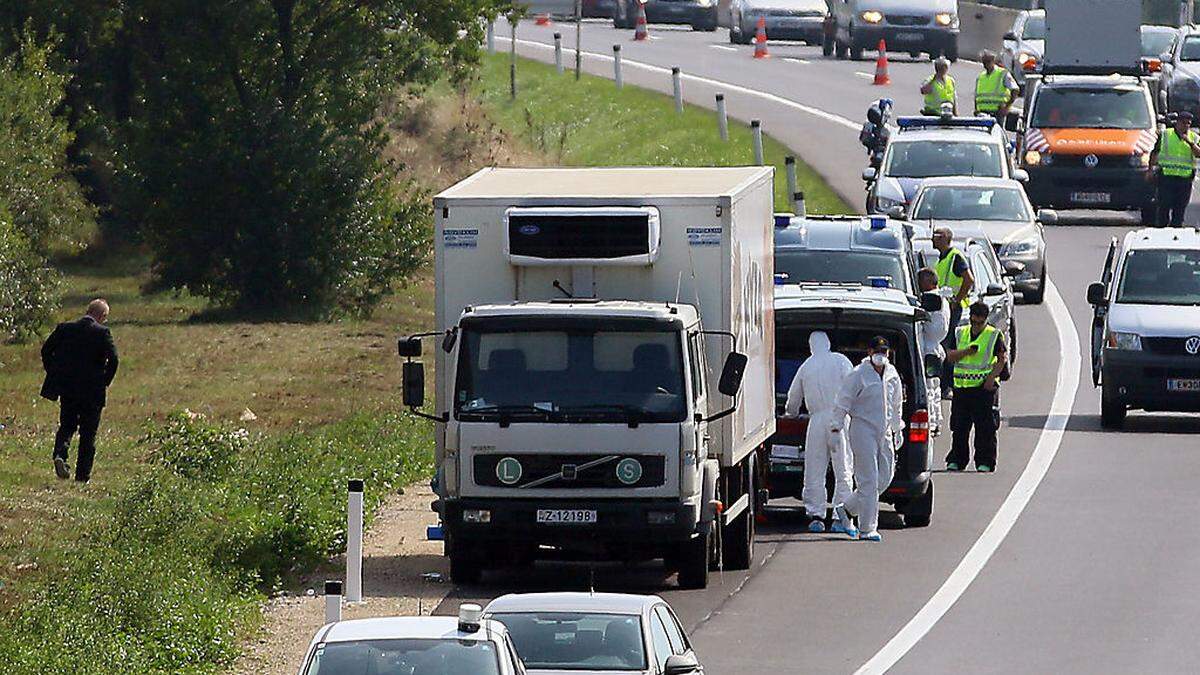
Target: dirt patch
pixel 395 556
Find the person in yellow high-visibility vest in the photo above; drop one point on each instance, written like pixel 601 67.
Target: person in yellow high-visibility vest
pixel 995 88
pixel 939 90
pixel 1175 159
pixel 979 356
pixel 955 281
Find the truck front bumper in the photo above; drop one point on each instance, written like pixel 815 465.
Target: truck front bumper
pixel 1078 187
pixel 1139 380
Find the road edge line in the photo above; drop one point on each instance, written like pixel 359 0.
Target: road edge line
pixel 1061 407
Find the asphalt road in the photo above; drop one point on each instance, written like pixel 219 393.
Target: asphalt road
pixel 1094 575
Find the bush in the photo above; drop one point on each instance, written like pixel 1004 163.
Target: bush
pixel 27 285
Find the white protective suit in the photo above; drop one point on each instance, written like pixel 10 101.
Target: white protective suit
pixel 875 405
pixel 816 384
pixel 932 334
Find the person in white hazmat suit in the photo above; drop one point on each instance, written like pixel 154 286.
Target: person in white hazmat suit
pixel 932 334
pixel 816 385
pixel 873 397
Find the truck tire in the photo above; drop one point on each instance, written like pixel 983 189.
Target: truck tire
pixel 826 46
pixel 1112 410
pixel 465 567
pixel 919 511
pixel 951 51
pixel 842 49
pixel 856 51
pixel 692 563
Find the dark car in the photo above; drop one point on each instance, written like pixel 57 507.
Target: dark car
pixel 1181 73
pixel 699 14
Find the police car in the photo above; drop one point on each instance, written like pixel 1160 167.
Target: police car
pixel 428 645
pixel 928 147
pixel 866 251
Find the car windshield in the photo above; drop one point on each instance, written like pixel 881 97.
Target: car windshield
pixel 1191 49
pixel 405 657
pixel 928 159
pixel 1035 28
pixel 574 641
pixel 1092 107
pixel 1162 277
pixel 968 203
pixel 570 371
pixel 1156 42
pixel 838 267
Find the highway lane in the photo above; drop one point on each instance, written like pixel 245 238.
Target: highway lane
pixel 1094 575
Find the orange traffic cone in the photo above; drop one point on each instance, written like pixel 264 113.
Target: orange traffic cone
pixel 760 40
pixel 543 20
pixel 881 73
pixel 639 30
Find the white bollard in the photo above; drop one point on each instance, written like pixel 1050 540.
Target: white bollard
pixel 333 601
pixel 491 37
pixel 756 128
pixel 558 64
pixel 354 541
pixel 789 164
pixel 677 84
pixel 722 118
pixel 617 65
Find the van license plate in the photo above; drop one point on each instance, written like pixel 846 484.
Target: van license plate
pixel 566 516
pixel 1183 385
pixel 1091 197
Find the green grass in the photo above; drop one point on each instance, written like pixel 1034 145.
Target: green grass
pixel 591 123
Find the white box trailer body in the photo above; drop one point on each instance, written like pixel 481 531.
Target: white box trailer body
pixel 1093 34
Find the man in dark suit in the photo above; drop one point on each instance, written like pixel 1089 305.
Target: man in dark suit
pixel 80 361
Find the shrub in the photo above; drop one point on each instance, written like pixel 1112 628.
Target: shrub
pixel 27 285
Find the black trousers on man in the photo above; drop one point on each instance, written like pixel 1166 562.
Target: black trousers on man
pixel 82 417
pixel 979 408
pixel 1174 193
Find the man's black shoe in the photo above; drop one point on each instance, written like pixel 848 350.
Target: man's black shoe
pixel 61 469
pixel 82 479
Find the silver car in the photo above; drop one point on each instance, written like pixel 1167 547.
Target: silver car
pixel 998 210
pixel 913 26
pixel 1025 44
pixel 784 20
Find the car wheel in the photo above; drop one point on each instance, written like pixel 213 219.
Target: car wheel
pixel 1112 410
pixel 856 52
pixel 918 512
pixel 1036 297
pixel 843 50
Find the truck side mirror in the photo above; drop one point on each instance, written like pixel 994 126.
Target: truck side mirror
pixel 732 373
pixel 1095 294
pixel 414 384
pixel 450 339
pixel 1010 36
pixel 409 348
pixel 868 174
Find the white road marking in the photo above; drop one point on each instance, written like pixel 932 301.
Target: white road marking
pixel 796 60
pixel 724 48
pixel 1039 463
pixel 868 76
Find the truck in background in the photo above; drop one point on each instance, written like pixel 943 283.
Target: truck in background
pixel 581 314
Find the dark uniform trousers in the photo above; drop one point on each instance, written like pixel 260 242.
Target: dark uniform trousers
pixel 979 408
pixel 1174 193
pixel 83 417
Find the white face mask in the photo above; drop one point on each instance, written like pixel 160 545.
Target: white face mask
pixel 879 360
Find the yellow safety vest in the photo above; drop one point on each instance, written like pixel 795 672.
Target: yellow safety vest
pixel 973 369
pixel 990 92
pixel 945 272
pixel 1175 157
pixel 941 92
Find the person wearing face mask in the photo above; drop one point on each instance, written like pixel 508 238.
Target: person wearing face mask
pixel 873 397
pixel 979 359
pixel 816 385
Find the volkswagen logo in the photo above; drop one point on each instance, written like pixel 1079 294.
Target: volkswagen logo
pixel 1192 346
pixel 1091 161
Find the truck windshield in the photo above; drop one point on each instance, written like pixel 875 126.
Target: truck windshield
pixel 570 371
pixel 1092 107
pixel 408 656
pixel 1035 28
pixel 964 203
pixel 927 159
pixel 1162 277
pixel 1191 49
pixel 573 641
pixel 838 267
pixel 1157 41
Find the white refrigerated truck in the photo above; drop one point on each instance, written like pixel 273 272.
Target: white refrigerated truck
pixel 582 408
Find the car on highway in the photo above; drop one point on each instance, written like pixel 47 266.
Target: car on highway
pixel 1146 324
pixel 851 314
pixel 1181 73
pixel 599 9
pixel 930 147
pixel 867 251
pixel 998 210
pixel 1024 44
pixel 425 645
pixel 802 20
pixel 699 14
pixel 596 633
pixel 913 26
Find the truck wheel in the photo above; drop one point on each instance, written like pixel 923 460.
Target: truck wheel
pixel 842 49
pixel 692 563
pixel 465 567
pixel 918 512
pixel 856 52
pixel 1112 410
pixel 951 52
pixel 738 541
pixel 826 46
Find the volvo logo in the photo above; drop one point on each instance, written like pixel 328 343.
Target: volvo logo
pixel 1192 346
pixel 1091 161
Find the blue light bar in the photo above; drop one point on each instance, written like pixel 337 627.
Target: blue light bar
pixel 878 222
pixel 781 279
pixel 783 219
pixel 880 282
pixel 986 123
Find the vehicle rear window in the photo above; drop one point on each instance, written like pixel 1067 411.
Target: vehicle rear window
pixel 408 656
pixel 838 267
pixel 928 159
pixel 1160 277
pixel 1092 108
pixel 576 641
pixel 964 203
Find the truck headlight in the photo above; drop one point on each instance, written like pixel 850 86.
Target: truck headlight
pixel 945 19
pixel 1033 158
pixel 478 516
pixel 872 16
pixel 1125 341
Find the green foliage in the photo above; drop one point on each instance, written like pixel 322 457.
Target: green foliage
pixel 27 285
pixel 170 582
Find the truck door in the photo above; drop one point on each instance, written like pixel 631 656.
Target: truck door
pixel 1100 311
pixel 697 368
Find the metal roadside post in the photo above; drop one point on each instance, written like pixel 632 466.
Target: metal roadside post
pixel 798 206
pixel 558 62
pixel 722 118
pixel 491 37
pixel 354 540
pixel 677 85
pixel 756 128
pixel 789 164
pixel 512 61
pixel 617 66
pixel 333 601
pixel 578 36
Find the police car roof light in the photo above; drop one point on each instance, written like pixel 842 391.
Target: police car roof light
pixel 878 222
pixel 783 219
pixel 986 123
pixel 880 282
pixel 470 617
pixel 781 279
